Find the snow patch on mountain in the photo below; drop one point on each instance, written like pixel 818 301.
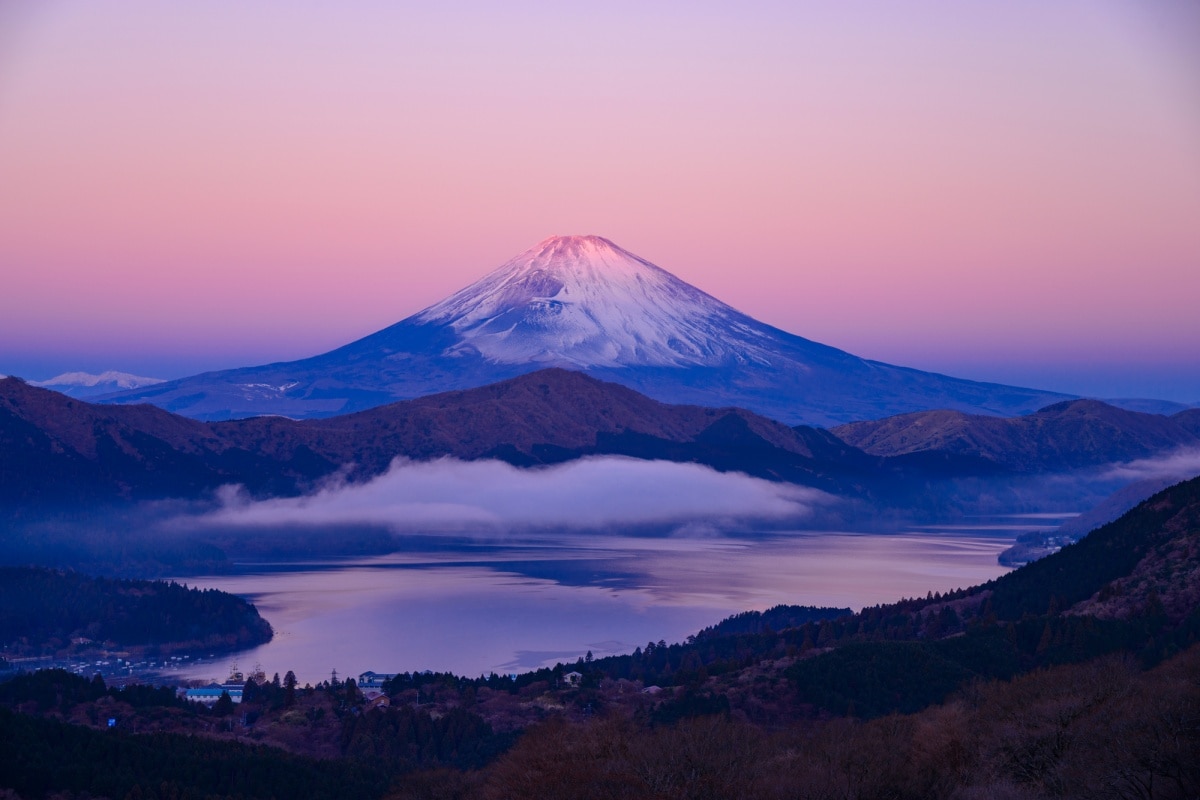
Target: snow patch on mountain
pixel 582 301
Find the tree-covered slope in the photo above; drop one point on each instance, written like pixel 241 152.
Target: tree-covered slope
pixel 42 610
pixel 1106 555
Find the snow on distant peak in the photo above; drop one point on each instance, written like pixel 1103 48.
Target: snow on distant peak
pixel 582 301
pixel 106 380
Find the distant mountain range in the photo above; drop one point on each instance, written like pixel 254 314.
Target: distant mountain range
pixel 58 450
pixel 1062 436
pixel 1150 406
pixel 583 303
pixel 86 384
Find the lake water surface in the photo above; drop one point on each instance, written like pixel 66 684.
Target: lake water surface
pixel 514 605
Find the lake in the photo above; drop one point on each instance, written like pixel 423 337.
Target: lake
pixel 510 605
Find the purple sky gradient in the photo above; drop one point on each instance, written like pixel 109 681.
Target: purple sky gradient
pixel 1006 192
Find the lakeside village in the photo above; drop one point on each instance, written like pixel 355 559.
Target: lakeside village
pixel 117 670
pixel 370 684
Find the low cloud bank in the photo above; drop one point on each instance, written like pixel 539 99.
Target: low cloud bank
pixel 590 493
pixel 1181 464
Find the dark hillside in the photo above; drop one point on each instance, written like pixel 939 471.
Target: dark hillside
pixel 42 611
pixel 1100 729
pixel 1163 523
pixel 55 450
pixel 43 756
pixel 1188 420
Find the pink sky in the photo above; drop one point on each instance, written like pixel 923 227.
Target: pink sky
pixel 1005 191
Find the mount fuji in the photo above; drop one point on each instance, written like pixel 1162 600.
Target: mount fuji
pixel 583 303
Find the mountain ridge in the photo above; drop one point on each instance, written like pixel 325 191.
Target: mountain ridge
pixel 59 448
pixel 56 451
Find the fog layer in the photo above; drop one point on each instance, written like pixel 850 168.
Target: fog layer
pixel 589 493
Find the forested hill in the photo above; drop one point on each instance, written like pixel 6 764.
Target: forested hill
pixel 1148 557
pixel 42 611
pixel 773 619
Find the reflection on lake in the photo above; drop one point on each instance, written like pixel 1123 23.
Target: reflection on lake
pixel 513 605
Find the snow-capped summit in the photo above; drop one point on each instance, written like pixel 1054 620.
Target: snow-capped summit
pixel 86 384
pixel 582 301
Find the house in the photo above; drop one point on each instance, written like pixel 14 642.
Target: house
pixel 573 678
pixel 209 695
pixel 369 681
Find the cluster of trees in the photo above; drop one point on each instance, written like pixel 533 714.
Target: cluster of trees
pixel 405 738
pixel 273 694
pixel 44 609
pixel 59 691
pixel 870 678
pixel 773 619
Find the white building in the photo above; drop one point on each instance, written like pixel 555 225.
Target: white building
pixel 373 681
pixel 209 695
